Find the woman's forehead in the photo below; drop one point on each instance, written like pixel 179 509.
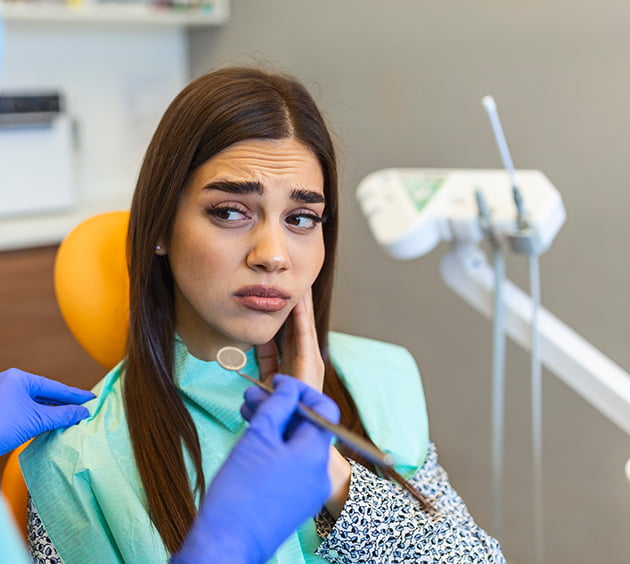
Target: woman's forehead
pixel 260 159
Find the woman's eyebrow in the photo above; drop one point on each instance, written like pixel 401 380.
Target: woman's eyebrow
pixel 236 186
pixel 306 196
pixel 302 195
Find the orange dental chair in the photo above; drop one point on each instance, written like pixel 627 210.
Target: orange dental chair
pixel 92 289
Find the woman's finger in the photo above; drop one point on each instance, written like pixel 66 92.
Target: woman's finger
pixel 308 365
pixel 267 355
pixel 288 346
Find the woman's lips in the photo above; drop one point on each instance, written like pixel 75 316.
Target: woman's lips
pixel 262 298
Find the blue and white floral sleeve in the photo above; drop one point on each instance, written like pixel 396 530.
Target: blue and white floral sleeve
pixel 380 523
pixel 42 549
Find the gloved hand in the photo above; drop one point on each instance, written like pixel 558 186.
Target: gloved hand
pixel 273 480
pixel 24 412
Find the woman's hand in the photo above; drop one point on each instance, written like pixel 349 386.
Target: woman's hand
pixel 302 359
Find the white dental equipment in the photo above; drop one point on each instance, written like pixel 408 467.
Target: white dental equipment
pixel 411 210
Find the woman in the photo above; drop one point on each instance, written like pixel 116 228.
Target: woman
pixel 231 242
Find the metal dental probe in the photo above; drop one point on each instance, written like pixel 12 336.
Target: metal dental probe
pixel 234 359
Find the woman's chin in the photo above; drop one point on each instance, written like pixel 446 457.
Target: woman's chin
pixel 257 337
pixel 260 339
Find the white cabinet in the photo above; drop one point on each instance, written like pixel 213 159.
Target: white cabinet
pixel 117 68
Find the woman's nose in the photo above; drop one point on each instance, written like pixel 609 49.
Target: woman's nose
pixel 269 250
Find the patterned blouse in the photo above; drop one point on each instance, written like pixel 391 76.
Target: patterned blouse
pixel 379 524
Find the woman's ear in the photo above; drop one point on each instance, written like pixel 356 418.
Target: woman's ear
pixel 160 249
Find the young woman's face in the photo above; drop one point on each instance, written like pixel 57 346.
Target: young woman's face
pixel 246 244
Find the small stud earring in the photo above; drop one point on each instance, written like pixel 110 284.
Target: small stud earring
pixel 158 248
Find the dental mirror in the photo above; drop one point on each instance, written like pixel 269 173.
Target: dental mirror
pixel 231 358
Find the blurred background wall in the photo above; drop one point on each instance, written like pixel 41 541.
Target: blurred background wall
pixel 401 84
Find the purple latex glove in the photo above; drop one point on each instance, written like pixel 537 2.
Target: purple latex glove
pixel 30 405
pixel 274 479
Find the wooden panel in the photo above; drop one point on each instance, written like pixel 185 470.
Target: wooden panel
pixel 33 335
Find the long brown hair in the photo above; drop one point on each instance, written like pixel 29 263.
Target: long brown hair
pixel 210 114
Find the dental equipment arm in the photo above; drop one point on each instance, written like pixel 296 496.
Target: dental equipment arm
pixel 410 211
pixel 581 366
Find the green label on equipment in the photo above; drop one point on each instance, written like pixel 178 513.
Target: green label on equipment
pixel 422 188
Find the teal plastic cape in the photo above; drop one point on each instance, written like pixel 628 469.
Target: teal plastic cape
pixel 85 484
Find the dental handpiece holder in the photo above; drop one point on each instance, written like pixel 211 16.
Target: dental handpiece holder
pixel 410 210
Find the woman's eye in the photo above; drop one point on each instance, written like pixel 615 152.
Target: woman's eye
pixel 227 214
pixel 304 221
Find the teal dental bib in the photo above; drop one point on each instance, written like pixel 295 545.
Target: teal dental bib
pixel 85 484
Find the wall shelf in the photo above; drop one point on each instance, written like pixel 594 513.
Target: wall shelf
pixel 215 14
